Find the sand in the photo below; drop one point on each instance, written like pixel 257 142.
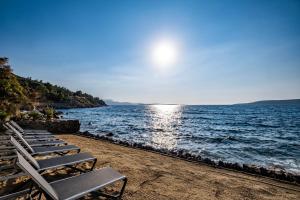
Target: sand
pixel 158 177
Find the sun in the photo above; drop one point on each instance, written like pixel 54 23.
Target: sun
pixel 164 53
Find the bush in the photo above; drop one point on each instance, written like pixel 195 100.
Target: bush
pixel 24 116
pixel 49 112
pixel 3 115
pixel 35 115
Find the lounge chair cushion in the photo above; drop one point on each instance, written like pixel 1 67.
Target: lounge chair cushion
pixel 45 143
pixel 77 186
pixel 64 160
pixel 51 149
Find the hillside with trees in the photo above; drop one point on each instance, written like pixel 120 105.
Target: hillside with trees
pixel 45 94
pixel 17 93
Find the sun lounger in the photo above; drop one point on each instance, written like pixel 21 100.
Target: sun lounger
pixel 55 162
pixel 37 150
pixel 29 137
pixel 76 186
pixel 15 194
pixel 38 142
pixel 41 150
pixel 33 135
pixel 61 150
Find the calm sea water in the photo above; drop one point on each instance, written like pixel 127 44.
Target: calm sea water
pixel 263 135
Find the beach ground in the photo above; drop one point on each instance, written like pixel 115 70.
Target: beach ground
pixel 158 177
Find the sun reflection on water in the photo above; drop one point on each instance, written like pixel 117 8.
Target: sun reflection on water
pixel 165 119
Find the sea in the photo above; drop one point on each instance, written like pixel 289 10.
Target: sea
pixel 264 135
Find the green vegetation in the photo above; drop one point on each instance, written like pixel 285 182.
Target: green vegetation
pixel 34 115
pixel 46 94
pixel 12 96
pixel 49 112
pixel 24 93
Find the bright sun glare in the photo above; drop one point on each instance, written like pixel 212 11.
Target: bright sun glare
pixel 164 54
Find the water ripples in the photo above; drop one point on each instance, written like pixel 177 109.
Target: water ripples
pixel 262 135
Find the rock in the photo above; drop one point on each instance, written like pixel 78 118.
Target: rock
pixel 297 178
pixel 199 158
pixel 280 175
pixel 264 171
pixel 59 112
pixel 290 177
pixel 256 169
pixel 110 134
pixel 236 166
pixel 247 168
pixel 220 163
pixel 208 161
pixel 187 155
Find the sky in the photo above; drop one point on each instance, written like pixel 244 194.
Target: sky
pixel 227 51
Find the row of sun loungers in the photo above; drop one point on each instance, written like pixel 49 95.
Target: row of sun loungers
pixel 19 151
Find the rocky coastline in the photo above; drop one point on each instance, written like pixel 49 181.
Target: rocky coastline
pixel 275 173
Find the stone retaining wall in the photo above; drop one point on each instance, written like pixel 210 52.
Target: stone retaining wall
pixel 55 126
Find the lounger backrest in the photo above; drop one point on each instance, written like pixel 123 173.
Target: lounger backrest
pixel 16 126
pixel 24 152
pixel 18 134
pixel 37 178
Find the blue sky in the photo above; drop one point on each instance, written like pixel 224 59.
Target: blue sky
pixel 229 51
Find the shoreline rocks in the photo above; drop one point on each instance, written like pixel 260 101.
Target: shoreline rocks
pixel 275 173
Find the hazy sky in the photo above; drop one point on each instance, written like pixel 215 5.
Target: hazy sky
pixel 228 51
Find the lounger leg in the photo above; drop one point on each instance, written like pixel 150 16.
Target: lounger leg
pixel 95 161
pixel 30 191
pixel 123 189
pixel 60 154
pixel 33 195
pixel 118 196
pixel 75 168
pixel 47 196
pixel 40 196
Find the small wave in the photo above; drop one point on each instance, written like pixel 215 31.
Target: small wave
pixel 267 125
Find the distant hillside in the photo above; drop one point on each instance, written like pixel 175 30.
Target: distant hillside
pixel 112 102
pixel 25 92
pixel 277 102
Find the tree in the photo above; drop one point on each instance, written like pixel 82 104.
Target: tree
pixel 78 93
pixel 11 92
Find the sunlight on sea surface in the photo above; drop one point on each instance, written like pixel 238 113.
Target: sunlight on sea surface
pixel 164 119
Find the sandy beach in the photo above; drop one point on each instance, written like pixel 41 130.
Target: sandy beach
pixel 154 176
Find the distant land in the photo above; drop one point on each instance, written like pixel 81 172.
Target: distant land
pixel 274 102
pixel 112 102
pixel 262 102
